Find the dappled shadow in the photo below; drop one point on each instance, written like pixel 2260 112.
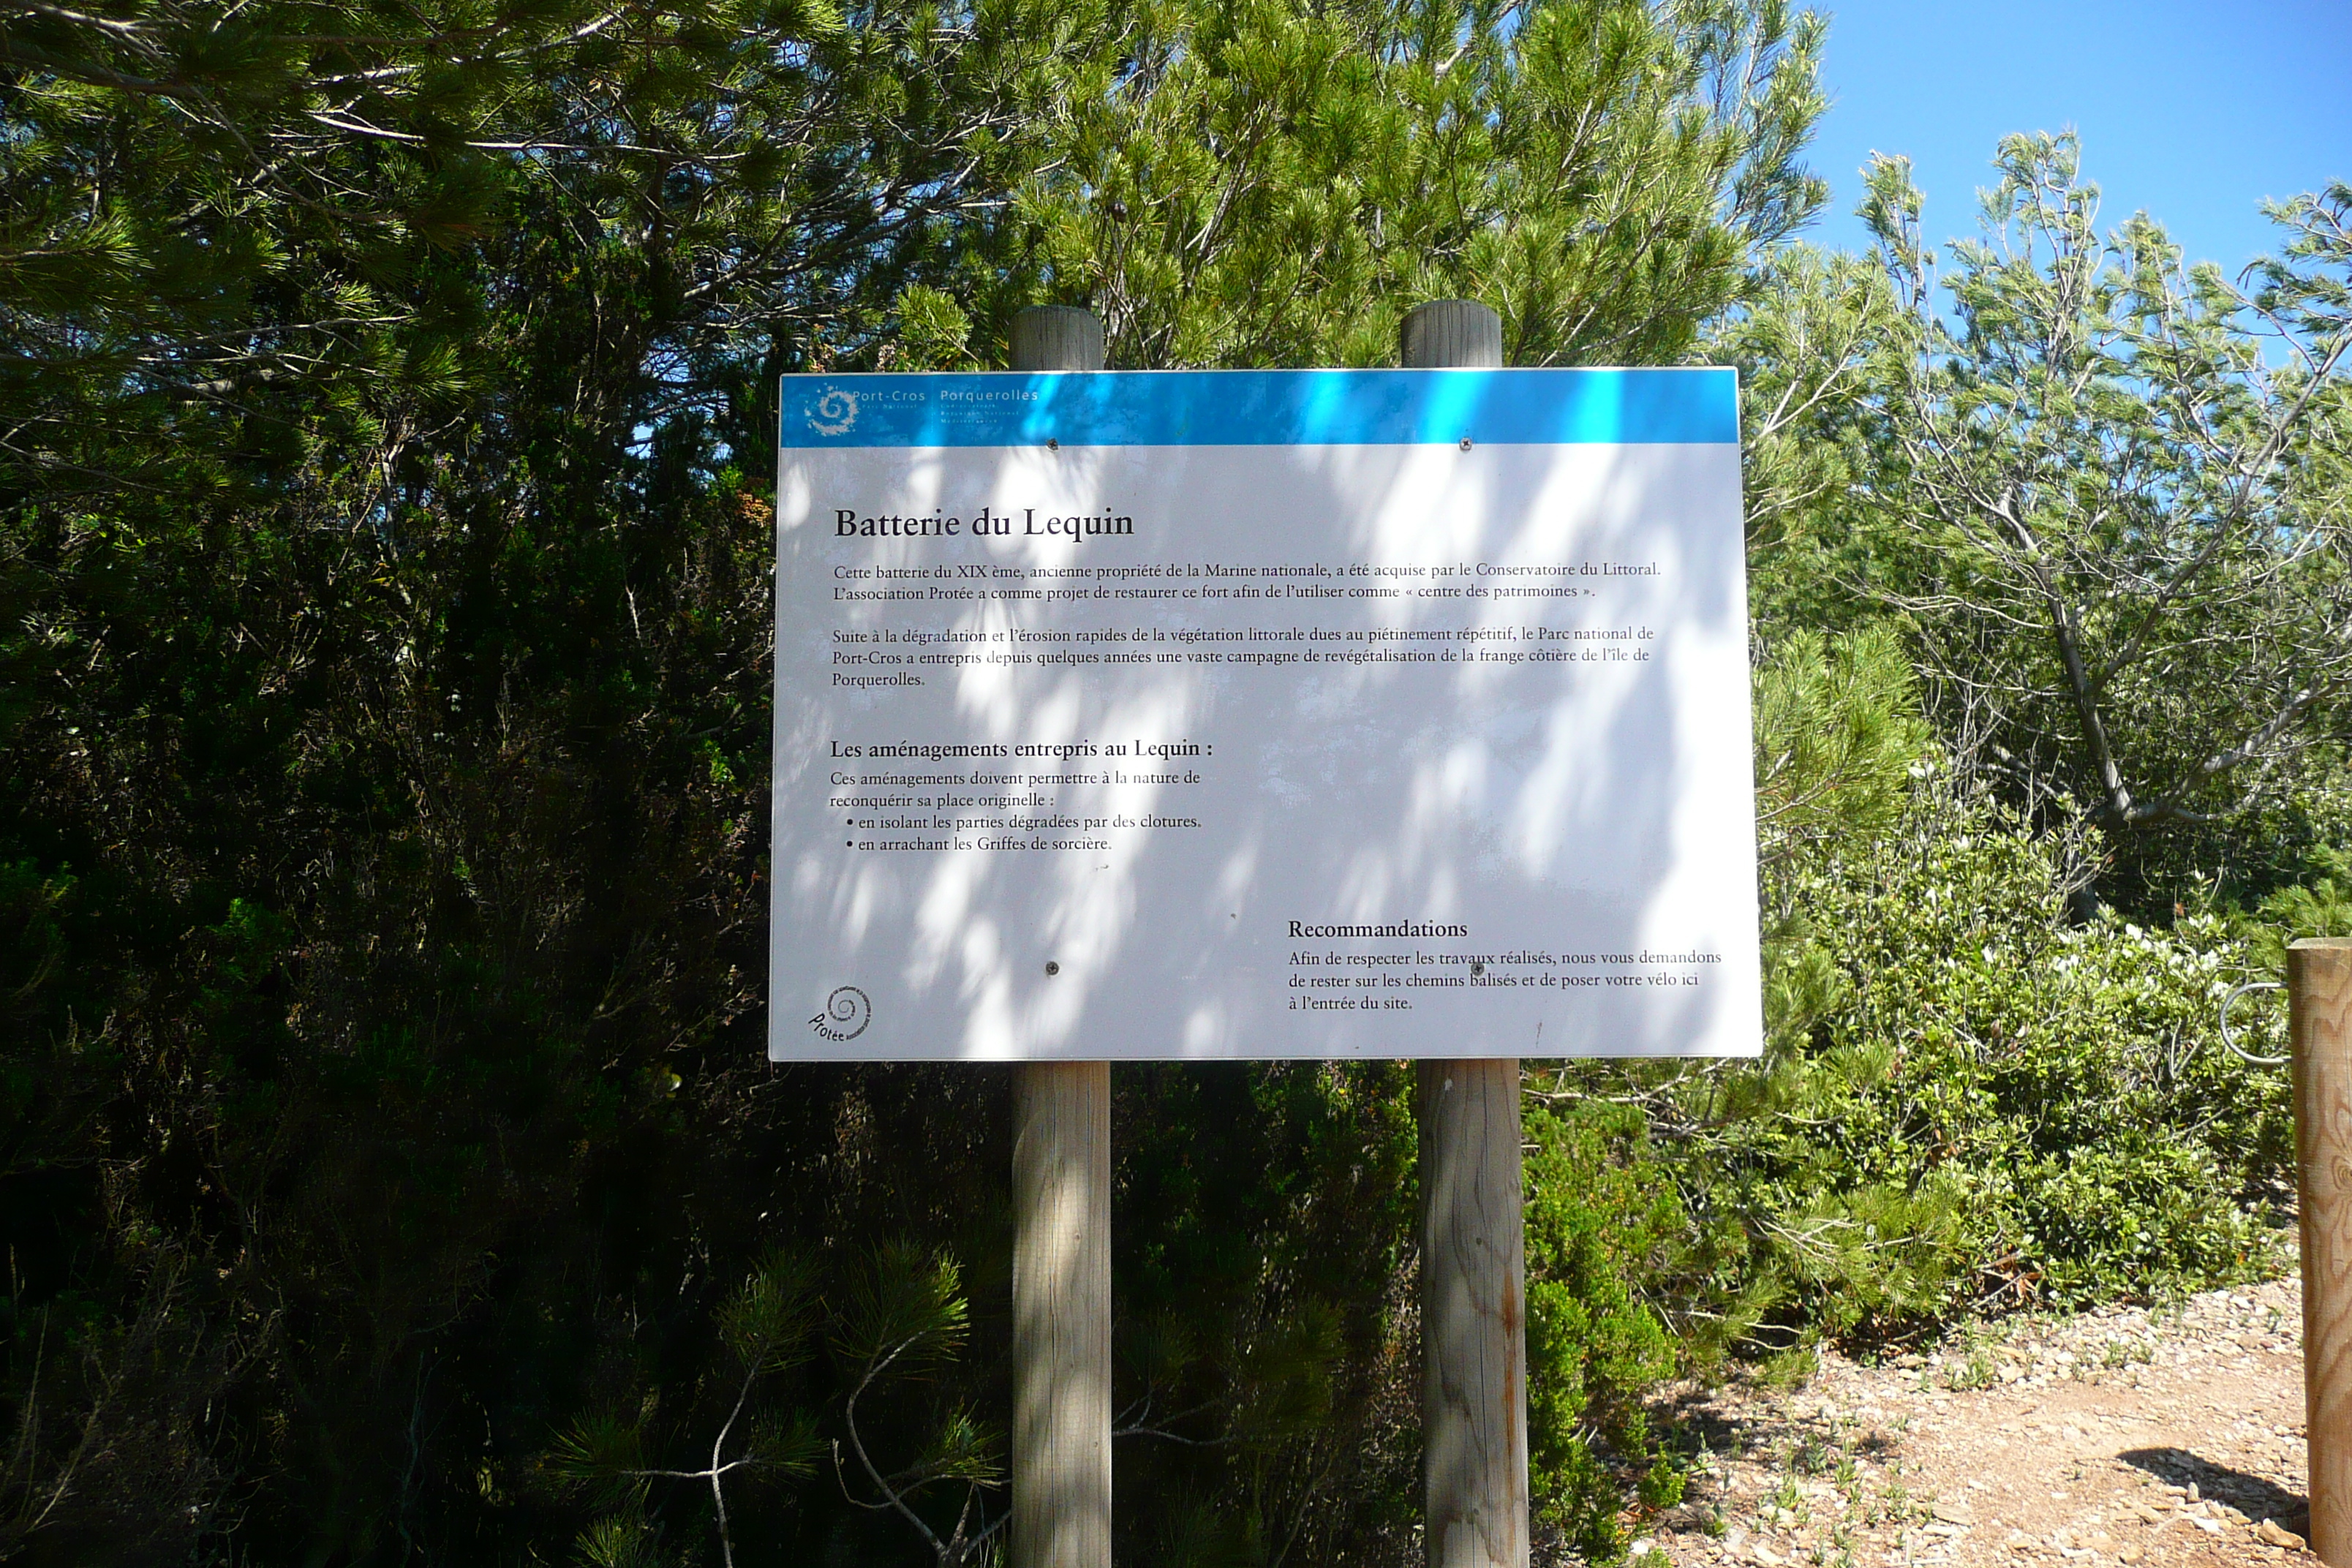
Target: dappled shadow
pixel 1789 1427
pixel 1544 806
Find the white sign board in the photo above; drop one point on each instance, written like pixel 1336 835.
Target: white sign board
pixel 1217 714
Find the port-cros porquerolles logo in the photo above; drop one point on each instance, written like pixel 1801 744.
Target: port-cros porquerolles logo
pixel 831 412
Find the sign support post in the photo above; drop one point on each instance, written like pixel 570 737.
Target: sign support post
pixel 1473 1346
pixel 2319 995
pixel 1061 1203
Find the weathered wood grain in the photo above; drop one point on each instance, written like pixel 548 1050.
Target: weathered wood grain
pixel 1473 1316
pixel 1057 337
pixel 1452 334
pixel 1061 1316
pixel 2320 988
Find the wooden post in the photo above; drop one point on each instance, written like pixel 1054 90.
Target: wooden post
pixel 1061 1315
pixel 1061 1205
pixel 1452 334
pixel 1057 337
pixel 1474 1265
pixel 2319 997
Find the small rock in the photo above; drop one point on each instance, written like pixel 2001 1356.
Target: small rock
pixel 2277 1535
pixel 1955 1512
pixel 1766 1555
pixel 2130 1555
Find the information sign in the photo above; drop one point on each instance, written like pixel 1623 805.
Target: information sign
pixel 1262 714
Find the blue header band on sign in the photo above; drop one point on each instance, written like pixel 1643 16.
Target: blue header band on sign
pixel 1263 408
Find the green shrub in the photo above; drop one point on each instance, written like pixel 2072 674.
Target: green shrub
pixel 2047 1106
pixel 1968 1104
pixel 1603 1223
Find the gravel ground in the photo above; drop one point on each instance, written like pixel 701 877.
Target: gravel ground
pixel 2163 1438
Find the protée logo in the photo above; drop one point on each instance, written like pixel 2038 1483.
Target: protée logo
pixel 846 1014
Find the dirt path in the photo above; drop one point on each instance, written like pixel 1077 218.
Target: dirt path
pixel 2159 1439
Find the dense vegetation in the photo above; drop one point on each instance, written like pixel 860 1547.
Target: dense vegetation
pixel 389 1169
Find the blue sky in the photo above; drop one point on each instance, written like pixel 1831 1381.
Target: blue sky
pixel 2192 112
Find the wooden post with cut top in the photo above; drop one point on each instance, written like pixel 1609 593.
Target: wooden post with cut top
pixel 1474 1348
pixel 1061 1205
pixel 2319 998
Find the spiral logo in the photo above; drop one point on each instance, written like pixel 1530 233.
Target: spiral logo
pixel 832 412
pixel 846 1014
